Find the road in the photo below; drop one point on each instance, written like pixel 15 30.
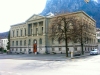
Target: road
pixel 26 65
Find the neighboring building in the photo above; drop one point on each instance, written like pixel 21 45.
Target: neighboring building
pixel 1 43
pixel 4 43
pixel 98 37
pixel 31 36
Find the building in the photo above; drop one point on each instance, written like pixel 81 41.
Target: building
pixel 98 37
pixel 1 43
pixel 4 43
pixel 31 36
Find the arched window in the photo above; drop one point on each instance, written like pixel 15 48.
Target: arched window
pixel 40 41
pixel 34 41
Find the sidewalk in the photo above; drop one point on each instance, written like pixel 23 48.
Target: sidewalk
pixel 42 57
pixel 52 57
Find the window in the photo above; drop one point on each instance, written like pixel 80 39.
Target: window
pixel 36 30
pixel 59 49
pixel 75 48
pixel 85 48
pixel 21 33
pixel 20 50
pixel 42 29
pixel 17 33
pixel 98 40
pixel 40 41
pixel 24 50
pixel 29 50
pixel 94 40
pixel 41 23
pixel 24 42
pixel 52 49
pixel 25 31
pixel 12 43
pixel 34 41
pixel 52 40
pixel 29 42
pixel 12 49
pixel 29 29
pixel 16 49
pixel 21 43
pixel 98 34
pixel 88 48
pixel 13 33
pixel 59 40
pixel 16 43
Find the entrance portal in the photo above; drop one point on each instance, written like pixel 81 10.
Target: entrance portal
pixel 34 48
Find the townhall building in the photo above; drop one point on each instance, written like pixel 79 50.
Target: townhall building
pixel 31 36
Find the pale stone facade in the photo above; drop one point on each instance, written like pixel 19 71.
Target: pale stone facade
pixel 1 43
pixel 98 37
pixel 89 45
pixel 4 43
pixel 24 36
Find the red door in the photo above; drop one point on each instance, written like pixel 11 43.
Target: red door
pixel 34 48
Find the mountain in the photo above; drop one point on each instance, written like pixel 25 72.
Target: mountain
pixel 56 6
pixel 4 35
pixel 98 1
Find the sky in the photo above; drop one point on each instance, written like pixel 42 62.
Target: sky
pixel 18 11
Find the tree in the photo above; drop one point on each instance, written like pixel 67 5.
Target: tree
pixel 83 34
pixel 62 27
pixel 8 44
pixel 68 28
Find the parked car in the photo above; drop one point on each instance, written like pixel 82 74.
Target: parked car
pixel 22 52
pixel 94 52
pixel 77 53
pixel 17 52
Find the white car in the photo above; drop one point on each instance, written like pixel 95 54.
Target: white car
pixel 94 52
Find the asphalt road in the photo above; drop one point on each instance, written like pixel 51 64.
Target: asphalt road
pixel 36 65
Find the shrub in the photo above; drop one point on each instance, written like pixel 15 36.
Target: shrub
pixel 4 51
